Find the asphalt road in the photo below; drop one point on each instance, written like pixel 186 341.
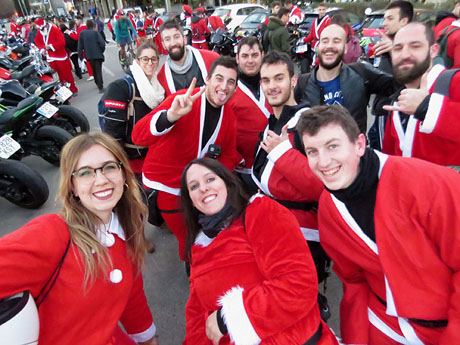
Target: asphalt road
pixel 165 281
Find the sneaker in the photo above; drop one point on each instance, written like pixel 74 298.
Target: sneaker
pixel 90 78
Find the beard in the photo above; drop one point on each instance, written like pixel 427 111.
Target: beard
pixel 177 55
pixel 284 98
pixel 404 76
pixel 333 64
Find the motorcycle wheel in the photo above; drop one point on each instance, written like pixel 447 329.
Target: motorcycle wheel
pixel 58 136
pixel 304 65
pixel 71 119
pixel 24 186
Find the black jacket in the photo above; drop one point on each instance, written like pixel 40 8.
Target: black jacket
pixel 356 89
pixel 92 43
pixel 116 122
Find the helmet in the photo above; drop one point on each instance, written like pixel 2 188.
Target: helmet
pixel 120 12
pixel 19 322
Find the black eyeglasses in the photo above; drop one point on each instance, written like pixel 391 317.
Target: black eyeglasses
pixel 87 175
pixel 146 59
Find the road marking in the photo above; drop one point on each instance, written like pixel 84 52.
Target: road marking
pixel 106 70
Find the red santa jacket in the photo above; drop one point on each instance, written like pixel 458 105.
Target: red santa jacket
pixel 316 29
pixel 71 314
pixel 275 175
pixel 295 16
pixel 414 265
pixel 251 118
pixel 204 58
pixel 215 22
pixel 262 275
pixel 435 139
pixel 453 45
pixel 55 39
pixel 199 30
pixel 171 150
pixel 439 28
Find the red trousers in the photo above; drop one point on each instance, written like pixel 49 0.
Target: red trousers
pixel 203 45
pixel 159 45
pixel 175 221
pixel 64 70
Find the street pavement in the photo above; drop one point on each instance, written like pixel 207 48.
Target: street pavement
pixel 165 281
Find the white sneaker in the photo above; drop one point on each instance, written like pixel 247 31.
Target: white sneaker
pixel 90 78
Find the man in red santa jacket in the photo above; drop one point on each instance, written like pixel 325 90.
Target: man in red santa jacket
pixel 280 167
pixel 390 225
pixel 80 27
pixel 318 26
pixel 183 62
pixel 190 124
pixel 295 16
pixel 199 26
pixel 250 106
pixel 424 122
pixel 51 42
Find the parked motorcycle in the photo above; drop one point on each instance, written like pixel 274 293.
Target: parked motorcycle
pixel 21 185
pixel 223 42
pixel 24 132
pixel 301 52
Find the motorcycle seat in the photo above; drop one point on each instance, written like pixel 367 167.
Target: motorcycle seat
pixel 26 72
pixel 8 114
pixel 49 84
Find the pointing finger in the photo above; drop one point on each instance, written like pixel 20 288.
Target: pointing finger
pixel 391 108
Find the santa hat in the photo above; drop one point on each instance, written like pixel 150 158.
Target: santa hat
pixel 120 12
pixel 40 22
pixel 187 8
pixel 200 10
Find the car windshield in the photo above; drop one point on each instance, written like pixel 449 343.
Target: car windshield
pixel 221 12
pixel 373 22
pixel 257 17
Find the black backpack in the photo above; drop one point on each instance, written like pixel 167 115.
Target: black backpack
pixel 265 34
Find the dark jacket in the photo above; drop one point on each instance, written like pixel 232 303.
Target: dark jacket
pixel 278 36
pixel 356 90
pixel 116 122
pixel 92 43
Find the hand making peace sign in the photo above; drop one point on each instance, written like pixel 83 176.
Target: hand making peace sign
pixel 182 104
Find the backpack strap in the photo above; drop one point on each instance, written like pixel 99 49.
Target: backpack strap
pixel 442 84
pixel 130 81
pixel 301 86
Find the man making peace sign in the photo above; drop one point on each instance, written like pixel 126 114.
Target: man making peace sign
pixel 189 124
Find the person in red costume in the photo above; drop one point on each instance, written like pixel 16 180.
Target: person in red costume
pixel 183 62
pixel 215 22
pixel 295 16
pixel 390 225
pixel 154 23
pixel 100 234
pixel 252 279
pixel 445 19
pixel 318 26
pixel 199 30
pixel 423 121
pixel 190 124
pixel 51 42
pixel 80 27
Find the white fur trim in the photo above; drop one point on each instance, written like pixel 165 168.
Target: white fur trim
pixel 279 150
pixel 293 121
pixel 433 74
pixel 384 328
pixel 254 197
pixel 151 91
pixel 310 234
pixel 160 186
pixel 203 240
pixel 148 334
pixel 432 114
pixel 238 324
pixel 153 125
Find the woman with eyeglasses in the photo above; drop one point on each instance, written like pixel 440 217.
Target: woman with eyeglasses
pixel 129 99
pixel 253 280
pixel 99 238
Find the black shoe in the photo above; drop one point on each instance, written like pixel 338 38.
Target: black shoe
pixel 101 90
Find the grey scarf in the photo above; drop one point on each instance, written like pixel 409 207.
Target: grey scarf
pixel 187 63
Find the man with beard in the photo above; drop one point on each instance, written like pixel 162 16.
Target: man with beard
pixel 424 119
pixel 249 105
pixel 183 62
pixel 390 225
pixel 333 82
pixel 192 123
pixel 280 168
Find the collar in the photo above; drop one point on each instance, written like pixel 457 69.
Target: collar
pixel 105 233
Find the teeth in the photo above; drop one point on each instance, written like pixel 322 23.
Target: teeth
pixel 331 171
pixel 103 194
pixel 209 198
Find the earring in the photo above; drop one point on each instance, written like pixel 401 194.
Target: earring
pixel 126 185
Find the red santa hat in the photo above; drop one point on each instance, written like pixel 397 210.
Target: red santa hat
pixel 187 8
pixel 40 22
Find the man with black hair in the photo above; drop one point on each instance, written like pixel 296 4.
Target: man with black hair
pixel 424 119
pixel 333 82
pixel 278 33
pixel 280 168
pixel 390 225
pixel 189 124
pixel 319 24
pixel 295 14
pixel 183 62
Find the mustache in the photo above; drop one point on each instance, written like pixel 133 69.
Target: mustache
pixel 412 61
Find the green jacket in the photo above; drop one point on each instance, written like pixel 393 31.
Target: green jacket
pixel 278 36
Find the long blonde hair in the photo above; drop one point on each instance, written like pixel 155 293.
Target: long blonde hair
pixel 82 223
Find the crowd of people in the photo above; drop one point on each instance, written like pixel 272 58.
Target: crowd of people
pixel 264 177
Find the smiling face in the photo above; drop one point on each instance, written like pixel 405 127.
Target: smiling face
pixel 103 194
pixel 333 157
pixel 332 46
pixel 146 63
pixel 221 86
pixel 207 191
pixel 276 83
pixel 249 59
pixel 174 42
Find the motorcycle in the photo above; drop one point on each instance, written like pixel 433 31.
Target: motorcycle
pixel 22 185
pixel 223 42
pixel 301 52
pixel 25 131
pixel 67 117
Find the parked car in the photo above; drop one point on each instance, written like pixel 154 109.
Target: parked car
pixel 254 21
pixel 233 15
pixel 354 20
